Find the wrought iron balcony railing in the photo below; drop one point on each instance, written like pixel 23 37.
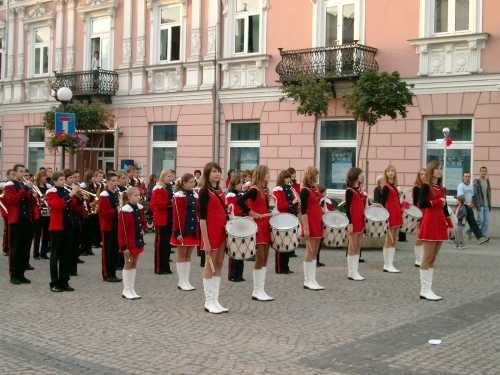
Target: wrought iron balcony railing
pixel 88 84
pixel 338 62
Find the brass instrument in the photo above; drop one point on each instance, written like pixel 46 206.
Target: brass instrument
pixel 1 203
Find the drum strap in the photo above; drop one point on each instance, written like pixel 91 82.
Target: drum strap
pixel 222 203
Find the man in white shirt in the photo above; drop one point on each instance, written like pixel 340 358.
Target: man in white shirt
pixel 466 190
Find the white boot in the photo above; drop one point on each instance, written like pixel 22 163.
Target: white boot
pixel 126 278
pixel 419 249
pixel 426 286
pixel 132 283
pixel 349 267
pixel 354 263
pixel 187 272
pixel 313 269
pixel 389 260
pixel 259 281
pixel 308 284
pixel 216 298
pixel 208 288
pixel 180 275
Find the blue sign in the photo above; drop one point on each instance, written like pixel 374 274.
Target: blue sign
pixel 65 123
pixel 124 163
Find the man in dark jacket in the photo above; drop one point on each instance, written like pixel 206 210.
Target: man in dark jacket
pixel 482 200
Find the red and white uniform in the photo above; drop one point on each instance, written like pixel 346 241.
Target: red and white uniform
pixel 256 200
pixel 355 209
pixel 185 219
pixel 108 211
pixel 296 187
pixel 310 206
pixel 12 201
pixel 326 204
pixel 392 203
pixel 131 226
pixel 436 218
pixel 214 212
pixel 159 205
pixel 232 203
pixel 57 206
pixel 284 197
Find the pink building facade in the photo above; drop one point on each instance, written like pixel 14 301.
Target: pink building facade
pixel 198 81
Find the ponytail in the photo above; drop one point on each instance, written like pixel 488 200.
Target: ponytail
pixel 179 183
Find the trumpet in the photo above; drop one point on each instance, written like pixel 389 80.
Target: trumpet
pixel 87 194
pixel 33 186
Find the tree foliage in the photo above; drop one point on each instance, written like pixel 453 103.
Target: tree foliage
pixel 89 116
pixel 376 95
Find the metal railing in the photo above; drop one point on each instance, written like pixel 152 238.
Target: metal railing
pixel 342 61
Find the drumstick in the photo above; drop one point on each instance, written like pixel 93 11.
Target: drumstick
pixel 211 263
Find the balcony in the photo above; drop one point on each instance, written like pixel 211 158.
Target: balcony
pixel 88 84
pixel 338 62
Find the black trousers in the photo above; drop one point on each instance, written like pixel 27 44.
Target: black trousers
pixel 41 236
pixel 201 254
pixel 471 220
pixel 162 249
pixel 75 247
pixel 235 269
pixel 87 238
pixel 95 237
pixel 109 253
pixel 20 235
pixel 60 258
pixel 281 262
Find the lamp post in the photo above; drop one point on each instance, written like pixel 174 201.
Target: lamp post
pixel 446 133
pixel 64 95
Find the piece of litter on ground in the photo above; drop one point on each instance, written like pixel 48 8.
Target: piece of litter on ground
pixel 435 341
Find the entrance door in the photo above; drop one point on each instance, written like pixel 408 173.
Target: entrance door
pixel 99 153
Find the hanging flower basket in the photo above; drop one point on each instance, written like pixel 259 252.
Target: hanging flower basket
pixel 72 143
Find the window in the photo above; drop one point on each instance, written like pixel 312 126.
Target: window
pixel 339 29
pixel 337 152
pixel 170 33
pixel 1 57
pixel 41 45
pixel 452 15
pixel 99 52
pixel 458 155
pixel 247 26
pixel 164 147
pixel 244 144
pixel 36 149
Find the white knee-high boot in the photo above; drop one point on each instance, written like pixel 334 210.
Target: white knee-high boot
pixel 126 279
pixel 209 289
pixel 187 272
pixel 133 272
pixel 353 264
pixel 180 275
pixel 216 298
pixel 426 292
pixel 259 282
pixel 389 253
pixel 419 249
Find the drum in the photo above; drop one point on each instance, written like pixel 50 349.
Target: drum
pixel 241 233
pixel 284 232
pixel 44 211
pixel 335 229
pixel 376 222
pixel 411 217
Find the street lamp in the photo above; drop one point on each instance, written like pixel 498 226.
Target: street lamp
pixel 446 134
pixel 63 95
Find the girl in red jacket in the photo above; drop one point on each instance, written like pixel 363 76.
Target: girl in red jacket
pixel 355 199
pixel 435 226
pixel 185 229
pixel 131 227
pixel 235 266
pixel 161 206
pixel 390 200
pixel 255 203
pixel 213 218
pixel 312 225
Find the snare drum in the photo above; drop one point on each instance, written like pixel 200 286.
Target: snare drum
pixel 335 229
pixel 376 222
pixel 284 232
pixel 411 217
pixel 241 233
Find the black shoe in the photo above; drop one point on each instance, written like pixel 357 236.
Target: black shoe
pixel 29 267
pixel 15 281
pixel 288 271
pixel 55 289
pixel 24 280
pixel 79 261
pixel 74 273
pixel 67 288
pixel 292 255
pixel 43 256
pixel 319 264
pixel 167 272
pixel 361 260
pixel 113 279
pixel 88 253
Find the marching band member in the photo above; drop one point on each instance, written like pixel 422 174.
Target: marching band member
pixel 326 206
pixel 60 202
pixel 122 181
pixel 255 203
pixel 235 266
pixel 356 201
pixel 161 206
pixel 97 186
pixel 76 215
pixel 419 247
pixel 296 187
pixel 312 226
pixel 35 217
pixel 213 218
pixel 89 220
pixel 131 227
pixel 19 201
pixel 135 180
pixel 5 246
pixel 41 235
pixel 287 200
pixel 197 179
pixel 108 220
pixel 185 229
pixel 435 226
pixel 390 200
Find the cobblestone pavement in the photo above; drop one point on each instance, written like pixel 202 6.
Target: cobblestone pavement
pixel 375 327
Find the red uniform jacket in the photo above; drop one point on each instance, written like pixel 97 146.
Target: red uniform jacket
pixel 127 229
pixel 57 205
pixel 326 204
pixel 179 214
pixel 232 203
pixel 159 206
pixel 107 213
pixel 282 203
pixel 12 201
pixel 296 187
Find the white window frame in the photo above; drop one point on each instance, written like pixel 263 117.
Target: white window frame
pixel 30 145
pixel 319 20
pixel 241 144
pixel 161 144
pixel 343 143
pixel 427 22
pixel 169 28
pixel 34 46
pixel 456 145
pixel 245 16
pixel 91 35
pixel 2 54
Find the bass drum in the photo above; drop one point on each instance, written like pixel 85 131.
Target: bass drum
pixel 284 232
pixel 241 233
pixel 335 229
pixel 376 222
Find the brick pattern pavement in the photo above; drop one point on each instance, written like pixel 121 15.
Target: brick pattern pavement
pixel 167 332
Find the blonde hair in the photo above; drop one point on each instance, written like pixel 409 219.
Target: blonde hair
pixel 310 176
pixel 126 194
pixel 387 169
pixel 259 175
pixel 164 173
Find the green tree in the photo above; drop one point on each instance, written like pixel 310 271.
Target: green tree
pixel 89 116
pixel 376 95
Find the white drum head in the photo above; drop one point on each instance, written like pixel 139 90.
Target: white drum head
pixel 284 221
pixel 375 213
pixel 414 211
pixel 241 227
pixel 335 219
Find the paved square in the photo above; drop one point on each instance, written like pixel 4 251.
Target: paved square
pixel 374 327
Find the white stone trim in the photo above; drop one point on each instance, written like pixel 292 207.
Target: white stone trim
pixel 70 36
pixel 127 34
pixel 245 71
pixel 58 66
